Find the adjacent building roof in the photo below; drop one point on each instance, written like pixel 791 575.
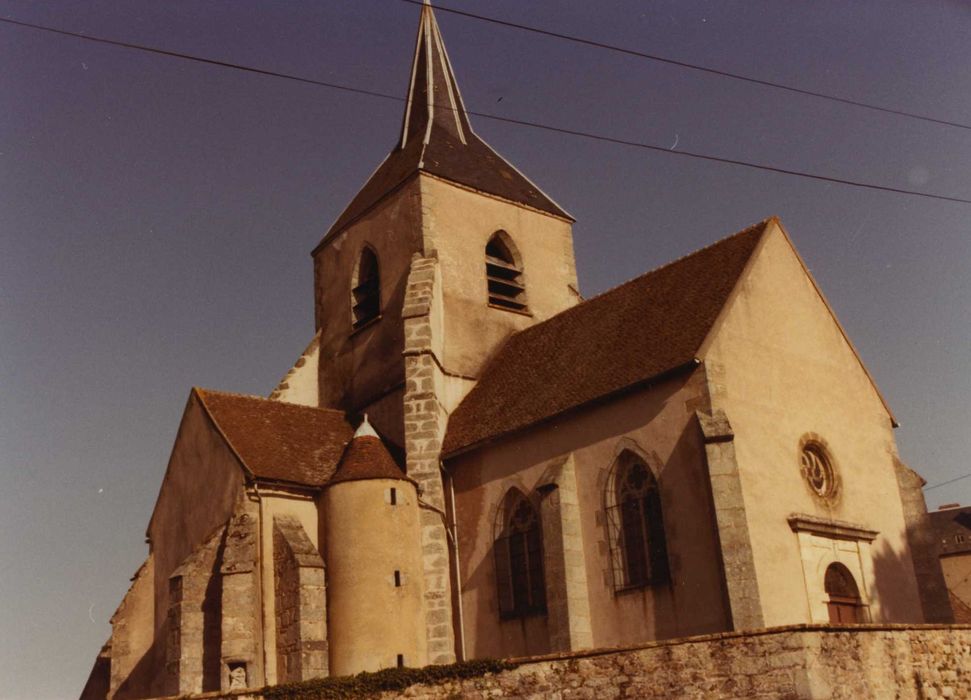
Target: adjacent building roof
pixel 437 138
pixel 633 333
pixel 278 441
pixel 952 525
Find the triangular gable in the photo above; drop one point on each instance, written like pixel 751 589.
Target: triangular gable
pixel 200 455
pixel 774 226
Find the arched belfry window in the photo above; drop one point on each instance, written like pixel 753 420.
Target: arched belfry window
pixel 366 294
pixel 844 603
pixel 504 273
pixel 639 554
pixel 519 557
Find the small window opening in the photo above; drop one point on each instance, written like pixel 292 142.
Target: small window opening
pixel 397 579
pixel 394 496
pixel 366 295
pixel 401 660
pixel 504 275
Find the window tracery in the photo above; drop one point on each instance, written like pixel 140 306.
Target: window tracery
pixel 634 514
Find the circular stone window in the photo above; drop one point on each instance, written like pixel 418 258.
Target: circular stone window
pixel 817 469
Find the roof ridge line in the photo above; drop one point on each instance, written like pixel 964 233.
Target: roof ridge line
pixel 763 223
pixel 202 391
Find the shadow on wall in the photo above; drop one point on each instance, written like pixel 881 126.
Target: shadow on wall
pixel 897 602
pixel 212 624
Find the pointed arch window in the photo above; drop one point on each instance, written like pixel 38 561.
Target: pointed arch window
pixel 844 604
pixel 504 273
pixel 519 558
pixel 366 294
pixel 638 547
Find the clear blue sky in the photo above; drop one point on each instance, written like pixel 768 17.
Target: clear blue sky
pixel 156 219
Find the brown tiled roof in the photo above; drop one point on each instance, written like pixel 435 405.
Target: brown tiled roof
pixel 280 441
pixel 633 333
pixel 952 526
pixel 367 458
pixel 449 149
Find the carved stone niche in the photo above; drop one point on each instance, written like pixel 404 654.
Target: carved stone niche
pixel 237 675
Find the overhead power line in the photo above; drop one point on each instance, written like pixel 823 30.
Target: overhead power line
pixel 691 66
pixel 945 483
pixel 494 117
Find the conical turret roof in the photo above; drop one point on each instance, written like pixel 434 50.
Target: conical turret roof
pixel 366 457
pixel 437 138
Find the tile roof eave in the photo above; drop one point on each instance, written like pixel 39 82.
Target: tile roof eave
pixel 262 481
pixel 336 230
pixel 596 401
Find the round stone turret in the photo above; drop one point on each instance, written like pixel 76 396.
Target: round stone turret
pixel 374 568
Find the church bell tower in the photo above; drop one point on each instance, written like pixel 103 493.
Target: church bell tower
pixel 444 252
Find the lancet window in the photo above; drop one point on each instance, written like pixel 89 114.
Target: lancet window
pixel 519 558
pixel 638 547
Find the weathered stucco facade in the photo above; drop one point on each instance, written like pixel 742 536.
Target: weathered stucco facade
pixel 469 461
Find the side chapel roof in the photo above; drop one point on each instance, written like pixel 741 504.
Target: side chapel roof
pixel 437 138
pixel 280 441
pixel 645 328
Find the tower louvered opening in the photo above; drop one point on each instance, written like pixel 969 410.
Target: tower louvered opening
pixel 366 294
pixel 504 274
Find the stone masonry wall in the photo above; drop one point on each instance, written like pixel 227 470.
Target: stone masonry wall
pixel 742 588
pixel 801 662
pixel 425 422
pixel 240 642
pixel 193 632
pixel 924 548
pixel 300 604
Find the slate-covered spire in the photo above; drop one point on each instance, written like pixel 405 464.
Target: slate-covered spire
pixel 437 138
pixel 434 102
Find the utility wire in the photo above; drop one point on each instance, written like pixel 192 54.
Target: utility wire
pixel 507 120
pixel 945 483
pixel 690 66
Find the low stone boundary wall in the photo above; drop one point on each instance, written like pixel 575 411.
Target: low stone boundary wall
pixel 802 661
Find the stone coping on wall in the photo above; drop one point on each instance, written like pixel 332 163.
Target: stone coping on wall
pixel 719 636
pixel 665 647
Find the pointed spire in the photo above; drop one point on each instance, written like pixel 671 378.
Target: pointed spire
pixel 433 94
pixel 437 138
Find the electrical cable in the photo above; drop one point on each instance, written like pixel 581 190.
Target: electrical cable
pixel 494 117
pixel 690 66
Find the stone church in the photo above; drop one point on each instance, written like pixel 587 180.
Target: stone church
pixel 470 460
